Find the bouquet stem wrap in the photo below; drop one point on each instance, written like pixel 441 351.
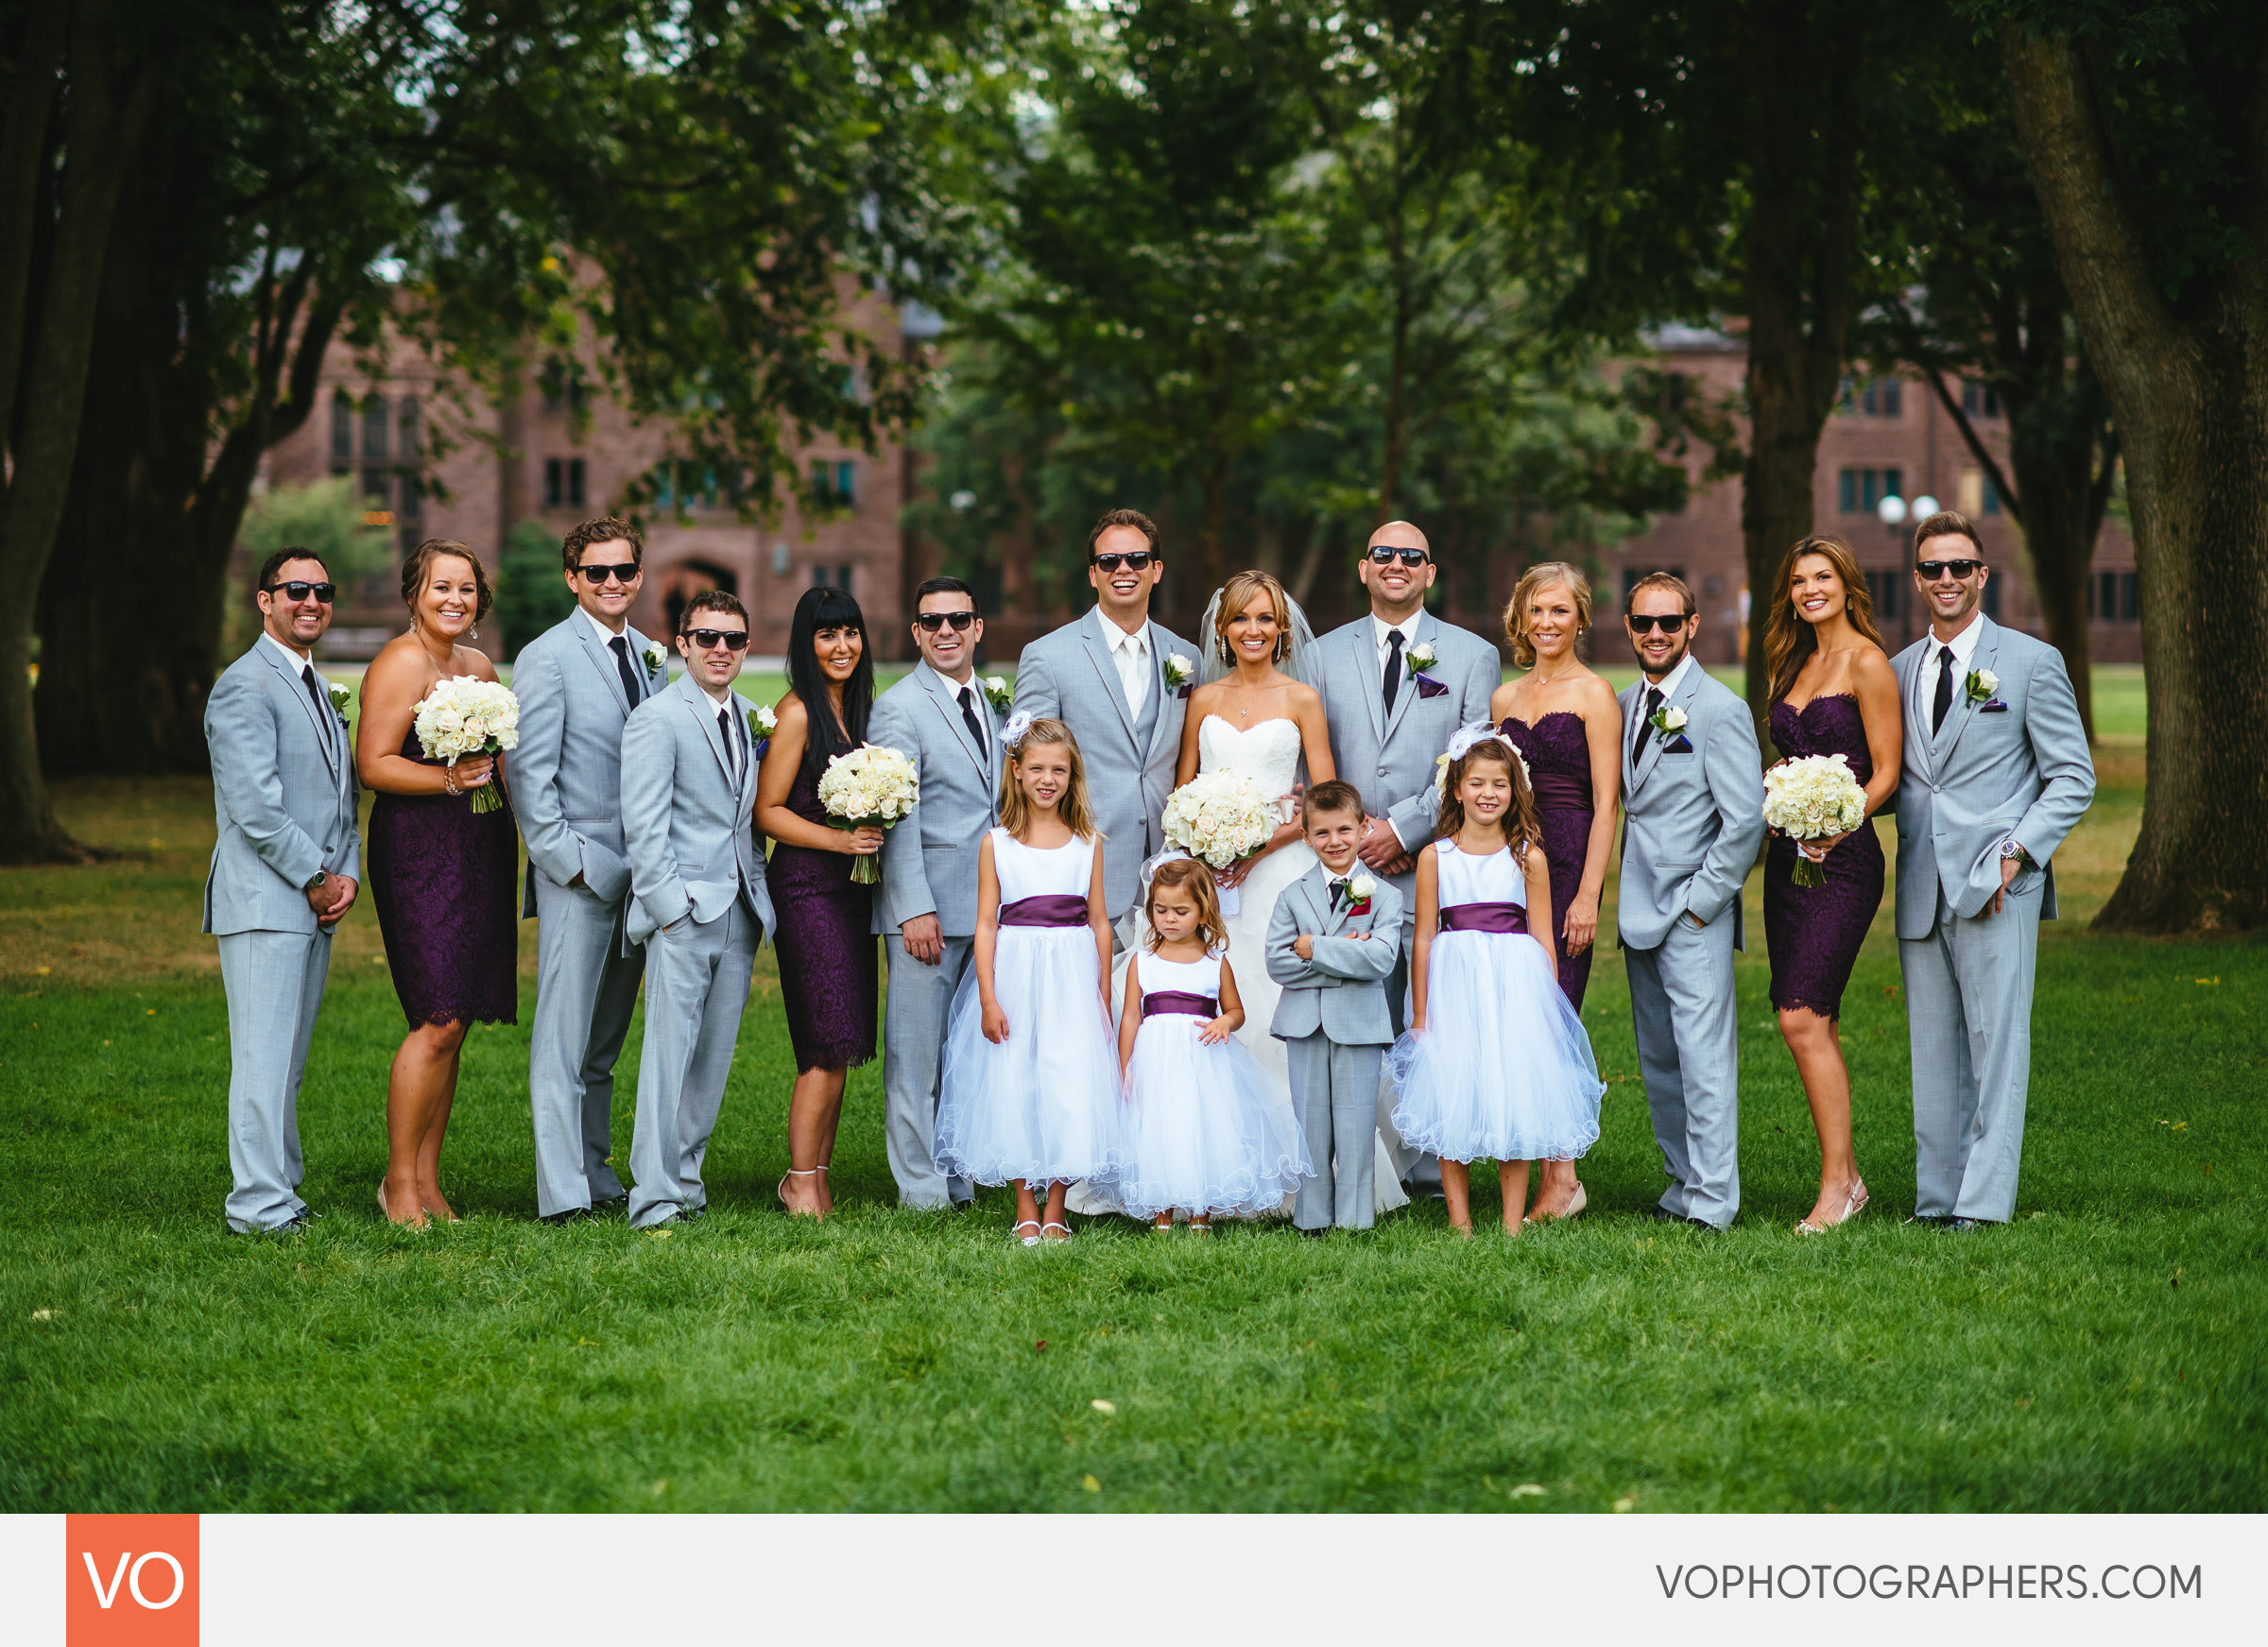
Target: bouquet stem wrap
pixel 466 715
pixel 1810 799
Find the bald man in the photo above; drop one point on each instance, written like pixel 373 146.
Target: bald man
pixel 1396 683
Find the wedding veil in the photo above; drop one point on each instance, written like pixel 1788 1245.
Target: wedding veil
pixel 1299 664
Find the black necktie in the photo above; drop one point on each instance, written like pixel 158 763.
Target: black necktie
pixel 977 725
pixel 630 684
pixel 1338 892
pixel 1645 723
pixel 323 712
pixel 1945 688
pixel 724 728
pixel 1392 683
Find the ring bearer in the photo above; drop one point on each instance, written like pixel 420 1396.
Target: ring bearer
pixel 1332 943
pixel 697 902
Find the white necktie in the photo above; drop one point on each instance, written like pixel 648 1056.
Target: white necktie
pixel 1132 676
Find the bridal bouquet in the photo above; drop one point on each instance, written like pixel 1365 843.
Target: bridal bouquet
pixel 465 715
pixel 1811 799
pixel 1219 816
pixel 871 785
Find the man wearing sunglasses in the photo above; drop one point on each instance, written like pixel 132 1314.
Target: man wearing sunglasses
pixel 286 866
pixel 940 718
pixel 1692 818
pixel 1105 676
pixel 698 901
pixel 577 682
pixel 1996 773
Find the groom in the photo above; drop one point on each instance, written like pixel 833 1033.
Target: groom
pixel 1997 772
pixel 1693 811
pixel 1119 682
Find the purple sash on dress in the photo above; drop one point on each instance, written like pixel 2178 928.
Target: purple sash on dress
pixel 1557 791
pixel 1065 909
pixel 1495 918
pixel 1179 1001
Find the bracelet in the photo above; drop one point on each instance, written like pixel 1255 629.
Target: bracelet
pixel 449 779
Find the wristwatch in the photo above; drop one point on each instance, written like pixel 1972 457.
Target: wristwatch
pixel 2011 849
pixel 316 885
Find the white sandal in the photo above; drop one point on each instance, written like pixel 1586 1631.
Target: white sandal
pixel 1025 1223
pixel 782 1190
pixel 1064 1227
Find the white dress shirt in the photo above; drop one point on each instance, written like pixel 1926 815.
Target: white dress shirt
pixel 302 664
pixel 1379 629
pixel 1669 683
pixel 1131 655
pixel 1925 678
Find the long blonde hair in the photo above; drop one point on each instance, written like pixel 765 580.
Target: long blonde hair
pixel 1236 594
pixel 1788 640
pixel 1542 576
pixel 1074 809
pixel 1212 932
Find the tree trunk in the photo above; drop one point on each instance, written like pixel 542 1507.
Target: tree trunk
pixel 2190 395
pixel 2060 523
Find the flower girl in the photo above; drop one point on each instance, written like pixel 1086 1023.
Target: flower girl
pixel 1495 1065
pixel 1203 1135
pixel 1029 1092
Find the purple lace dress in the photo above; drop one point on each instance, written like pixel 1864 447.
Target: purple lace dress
pixel 1557 752
pixel 828 977
pixel 1813 933
pixel 445 883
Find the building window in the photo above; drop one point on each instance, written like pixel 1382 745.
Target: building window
pixel 2114 597
pixel 834 577
pixel 1980 399
pixel 1878 397
pixel 834 486
pixel 374 478
pixel 342 433
pixel 1858 491
pixel 411 451
pixel 1991 496
pixel 565 483
pixel 1992 599
pixel 1884 587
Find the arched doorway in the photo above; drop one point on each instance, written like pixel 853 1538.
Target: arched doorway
pixel 687 579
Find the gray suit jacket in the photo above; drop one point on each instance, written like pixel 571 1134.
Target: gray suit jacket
pixel 1068 675
pixel 1342 990
pixel 687 826
pixel 1986 775
pixel 929 861
pixel 284 797
pixel 566 774
pixel 1390 757
pixel 1691 819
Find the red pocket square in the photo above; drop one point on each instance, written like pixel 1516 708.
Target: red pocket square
pixel 1427 688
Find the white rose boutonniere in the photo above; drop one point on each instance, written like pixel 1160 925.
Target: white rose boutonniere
pixel 1982 683
pixel 762 723
pixel 1420 657
pixel 341 696
pixel 1177 671
pixel 656 659
pixel 996 689
pixel 1668 719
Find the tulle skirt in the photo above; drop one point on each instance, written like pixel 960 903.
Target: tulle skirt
pixel 1043 1106
pixel 1203 1134
pixel 1504 1073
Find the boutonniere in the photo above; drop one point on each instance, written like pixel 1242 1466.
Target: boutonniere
pixel 1358 894
pixel 341 698
pixel 1982 683
pixel 762 721
pixel 1177 671
pixel 1668 719
pixel 656 659
pixel 1420 657
pixel 996 691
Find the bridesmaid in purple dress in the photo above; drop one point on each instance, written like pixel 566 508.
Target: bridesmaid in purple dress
pixel 1567 726
pixel 441 874
pixel 1833 692
pixel 828 978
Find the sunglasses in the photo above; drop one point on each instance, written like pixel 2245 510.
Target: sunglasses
pixel 730 639
pixel 1933 569
pixel 933 621
pixel 296 592
pixel 1138 561
pixel 1386 555
pixel 1646 623
pixel 624 574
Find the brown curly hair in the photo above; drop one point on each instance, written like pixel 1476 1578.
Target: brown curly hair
pixel 606 529
pixel 1212 930
pixel 420 565
pixel 1519 817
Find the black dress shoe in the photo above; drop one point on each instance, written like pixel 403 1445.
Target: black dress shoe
pixel 571 1216
pixel 612 1203
pixel 1930 1220
pixel 1313 1234
pixel 1963 1226
pixel 693 1214
pixel 1659 1214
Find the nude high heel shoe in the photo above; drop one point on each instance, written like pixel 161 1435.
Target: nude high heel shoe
pixel 1853 1204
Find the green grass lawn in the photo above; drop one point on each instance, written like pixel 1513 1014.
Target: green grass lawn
pixel 2104 1353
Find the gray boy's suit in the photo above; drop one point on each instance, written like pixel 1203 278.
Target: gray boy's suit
pixel 929 868
pixel 1333 1020
pixel 2013 765
pixel 1692 806
pixel 284 801
pixel 700 905
pixel 567 791
pixel 1130 756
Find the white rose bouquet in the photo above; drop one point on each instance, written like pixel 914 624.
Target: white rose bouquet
pixel 872 786
pixel 1219 816
pixel 1811 799
pixel 465 715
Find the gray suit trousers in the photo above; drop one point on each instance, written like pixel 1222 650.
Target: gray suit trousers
pixel 1968 1011
pixel 913 1056
pixel 585 990
pixel 274 982
pixel 697 987
pixel 1335 1093
pixel 1689 1050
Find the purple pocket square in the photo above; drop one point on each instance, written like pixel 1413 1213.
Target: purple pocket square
pixel 1185 692
pixel 1427 688
pixel 1995 708
pixel 1680 745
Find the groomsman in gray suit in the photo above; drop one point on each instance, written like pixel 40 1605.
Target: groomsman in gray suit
pixel 1119 682
pixel 578 683
pixel 942 719
pixel 1996 773
pixel 286 870
pixel 697 879
pixel 1693 812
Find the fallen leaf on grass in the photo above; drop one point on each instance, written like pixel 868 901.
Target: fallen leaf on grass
pixel 1091 1484
pixel 43 1315
pixel 1527 1490
pixel 1101 1406
pixel 1038 1347
pixel 1622 1506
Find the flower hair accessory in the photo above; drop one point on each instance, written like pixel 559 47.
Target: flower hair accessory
pixel 1462 740
pixel 1011 734
pixel 1150 865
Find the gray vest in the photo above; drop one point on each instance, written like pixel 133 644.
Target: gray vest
pixel 1145 723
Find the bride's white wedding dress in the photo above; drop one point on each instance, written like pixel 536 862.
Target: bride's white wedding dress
pixel 1268 754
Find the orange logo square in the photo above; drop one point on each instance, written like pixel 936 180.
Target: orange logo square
pixel 129 1581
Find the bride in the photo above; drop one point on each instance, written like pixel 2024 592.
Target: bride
pixel 1256 715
